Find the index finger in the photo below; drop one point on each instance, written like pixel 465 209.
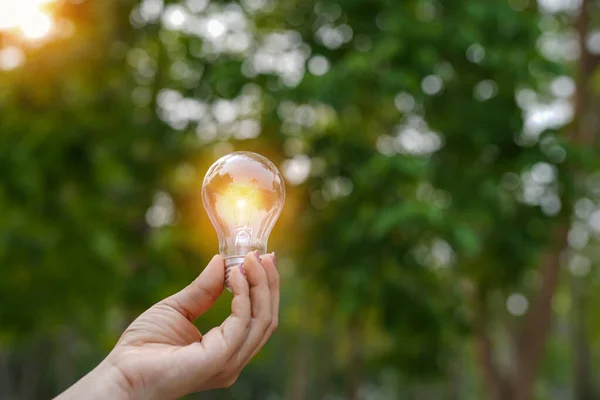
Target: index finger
pixel 268 262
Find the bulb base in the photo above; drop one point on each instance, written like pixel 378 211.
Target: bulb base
pixel 230 263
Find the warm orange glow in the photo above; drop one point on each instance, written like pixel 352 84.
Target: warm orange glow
pixel 28 16
pixel 240 206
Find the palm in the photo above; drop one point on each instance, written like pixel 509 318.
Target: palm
pixel 155 347
pixel 161 325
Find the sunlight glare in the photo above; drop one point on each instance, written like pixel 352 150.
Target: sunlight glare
pixel 37 25
pixel 9 15
pixel 27 16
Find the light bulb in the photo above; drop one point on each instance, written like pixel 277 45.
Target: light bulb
pixel 243 194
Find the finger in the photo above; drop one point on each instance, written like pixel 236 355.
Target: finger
pixel 220 343
pixel 262 314
pixel 200 295
pixel 269 264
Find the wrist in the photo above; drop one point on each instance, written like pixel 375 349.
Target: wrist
pixel 115 381
pixel 106 381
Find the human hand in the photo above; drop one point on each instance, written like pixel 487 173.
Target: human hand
pixel 162 355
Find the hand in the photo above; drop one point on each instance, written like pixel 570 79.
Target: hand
pixel 162 355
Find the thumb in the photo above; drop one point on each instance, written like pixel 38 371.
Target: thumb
pixel 196 298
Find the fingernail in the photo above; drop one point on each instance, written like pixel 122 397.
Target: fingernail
pixel 257 254
pixel 242 270
pixel 274 259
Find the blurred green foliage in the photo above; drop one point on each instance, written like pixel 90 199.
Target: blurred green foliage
pixel 432 170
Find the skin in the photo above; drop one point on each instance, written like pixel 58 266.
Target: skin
pixel 162 355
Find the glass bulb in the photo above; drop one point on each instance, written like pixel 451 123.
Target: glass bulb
pixel 243 194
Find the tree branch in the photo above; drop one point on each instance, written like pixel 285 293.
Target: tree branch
pixel 585 68
pixel 530 346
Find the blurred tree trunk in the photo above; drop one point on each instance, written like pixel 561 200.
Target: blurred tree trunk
pixel 531 340
pixel 31 366
pixel 327 363
pixel 298 381
pixel 588 103
pixel 6 381
pixel 354 377
pixel 455 376
pixel 496 385
pixel 66 370
pixel 586 113
pixel 582 389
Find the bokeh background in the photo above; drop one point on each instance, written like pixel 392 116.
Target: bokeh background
pixel 441 234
